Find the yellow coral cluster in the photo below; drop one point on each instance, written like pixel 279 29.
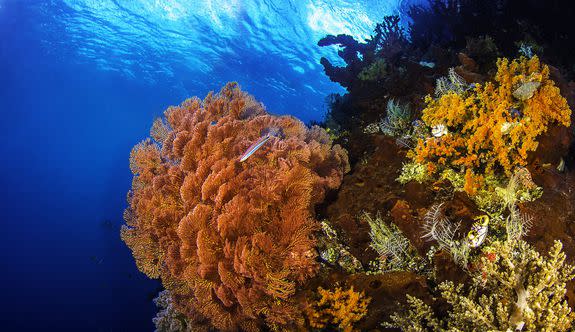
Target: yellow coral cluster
pixel 337 308
pixel 492 127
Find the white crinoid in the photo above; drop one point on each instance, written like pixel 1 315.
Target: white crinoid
pixel 436 227
pixel 450 83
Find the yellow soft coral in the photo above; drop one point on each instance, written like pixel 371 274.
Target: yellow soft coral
pixel 338 308
pixel 492 127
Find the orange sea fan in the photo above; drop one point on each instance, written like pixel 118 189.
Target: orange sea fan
pixel 231 240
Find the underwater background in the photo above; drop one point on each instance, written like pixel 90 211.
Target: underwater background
pixel 80 84
pixel 344 165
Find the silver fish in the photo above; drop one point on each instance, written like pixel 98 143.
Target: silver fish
pixel 273 132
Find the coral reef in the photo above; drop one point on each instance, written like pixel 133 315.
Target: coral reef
pixel 514 288
pixel 365 62
pixel 230 240
pixel 489 130
pixel 439 226
pixel 395 252
pixel 168 319
pixel 337 308
pixel 502 189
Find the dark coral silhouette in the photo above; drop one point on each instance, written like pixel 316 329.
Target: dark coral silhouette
pixel 230 240
pixel 387 42
pixel 449 23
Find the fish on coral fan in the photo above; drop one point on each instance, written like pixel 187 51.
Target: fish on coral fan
pixel 273 132
pixel 231 243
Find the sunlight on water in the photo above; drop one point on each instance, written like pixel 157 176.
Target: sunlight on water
pixel 211 41
pixel 208 30
pixel 347 18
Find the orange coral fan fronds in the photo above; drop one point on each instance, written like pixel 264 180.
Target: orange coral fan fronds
pixel 493 127
pixel 337 308
pixel 231 240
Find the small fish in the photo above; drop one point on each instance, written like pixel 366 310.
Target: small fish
pixel 478 231
pixel 427 64
pixel 258 144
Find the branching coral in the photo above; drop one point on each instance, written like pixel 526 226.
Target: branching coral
pixel 230 240
pixel 490 129
pixel 515 288
pixel 337 308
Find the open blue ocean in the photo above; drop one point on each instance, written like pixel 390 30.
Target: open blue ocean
pixel 81 82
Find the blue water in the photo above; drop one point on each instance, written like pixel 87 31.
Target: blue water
pixel 80 84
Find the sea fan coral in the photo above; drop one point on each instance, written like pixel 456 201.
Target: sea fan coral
pixel 491 128
pixel 337 308
pixel 230 240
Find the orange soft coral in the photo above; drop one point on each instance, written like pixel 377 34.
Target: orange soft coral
pixel 493 127
pixel 230 240
pixel 337 308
